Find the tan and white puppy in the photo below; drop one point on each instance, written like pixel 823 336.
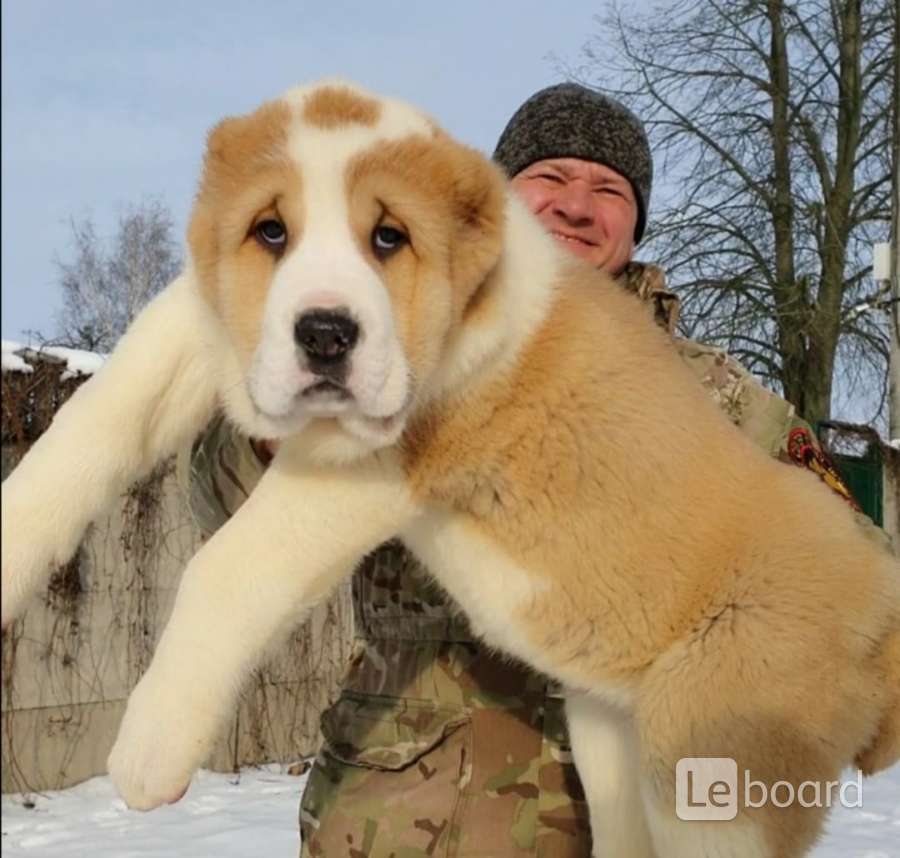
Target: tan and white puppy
pixel 369 291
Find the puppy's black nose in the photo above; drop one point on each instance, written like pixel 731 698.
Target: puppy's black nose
pixel 326 336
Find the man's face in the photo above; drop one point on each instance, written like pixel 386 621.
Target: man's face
pixel 589 208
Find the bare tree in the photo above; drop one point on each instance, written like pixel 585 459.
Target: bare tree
pixel 104 287
pixel 772 118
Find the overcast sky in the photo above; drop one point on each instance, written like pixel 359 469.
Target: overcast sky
pixel 105 103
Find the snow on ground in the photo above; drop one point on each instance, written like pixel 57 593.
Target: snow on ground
pixel 223 816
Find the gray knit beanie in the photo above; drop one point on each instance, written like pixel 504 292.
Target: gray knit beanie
pixel 571 121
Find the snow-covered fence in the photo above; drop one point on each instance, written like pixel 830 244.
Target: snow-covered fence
pixel 70 663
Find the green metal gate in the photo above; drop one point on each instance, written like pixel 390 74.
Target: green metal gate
pixel 864 476
pixel 861 464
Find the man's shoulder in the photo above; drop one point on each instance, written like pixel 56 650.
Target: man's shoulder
pixel 748 403
pixel 717 368
pixel 648 282
pixel 765 417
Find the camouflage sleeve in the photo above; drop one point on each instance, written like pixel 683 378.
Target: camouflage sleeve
pixel 770 421
pixel 761 414
pixel 218 473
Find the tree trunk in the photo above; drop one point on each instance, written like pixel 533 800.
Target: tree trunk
pixel 790 301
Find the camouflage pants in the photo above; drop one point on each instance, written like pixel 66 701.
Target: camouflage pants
pixel 412 777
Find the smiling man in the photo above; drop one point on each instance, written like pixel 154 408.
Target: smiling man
pixel 589 207
pixel 582 164
pixel 438 745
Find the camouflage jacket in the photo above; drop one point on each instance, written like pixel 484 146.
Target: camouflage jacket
pixel 437 745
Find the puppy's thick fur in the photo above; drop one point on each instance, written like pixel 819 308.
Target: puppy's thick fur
pixel 529 433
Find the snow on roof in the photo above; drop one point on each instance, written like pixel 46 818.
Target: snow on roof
pixel 78 362
pixel 12 361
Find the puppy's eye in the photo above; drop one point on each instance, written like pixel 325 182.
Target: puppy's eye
pixel 387 240
pixel 272 233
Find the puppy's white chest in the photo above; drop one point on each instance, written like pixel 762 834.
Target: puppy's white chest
pixel 492 588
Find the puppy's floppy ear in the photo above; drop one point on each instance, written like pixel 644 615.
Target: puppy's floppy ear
pixel 239 144
pixel 222 145
pixel 237 150
pixel 478 204
pixel 203 240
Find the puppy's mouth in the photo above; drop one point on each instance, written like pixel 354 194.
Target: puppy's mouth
pixel 327 399
pixel 326 390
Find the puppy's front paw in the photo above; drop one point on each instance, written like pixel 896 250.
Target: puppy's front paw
pixel 161 743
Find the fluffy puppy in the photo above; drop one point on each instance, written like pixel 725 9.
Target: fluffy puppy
pixel 369 291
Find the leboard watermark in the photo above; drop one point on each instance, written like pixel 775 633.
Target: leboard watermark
pixel 711 788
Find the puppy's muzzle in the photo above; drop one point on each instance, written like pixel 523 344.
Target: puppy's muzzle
pixel 327 337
